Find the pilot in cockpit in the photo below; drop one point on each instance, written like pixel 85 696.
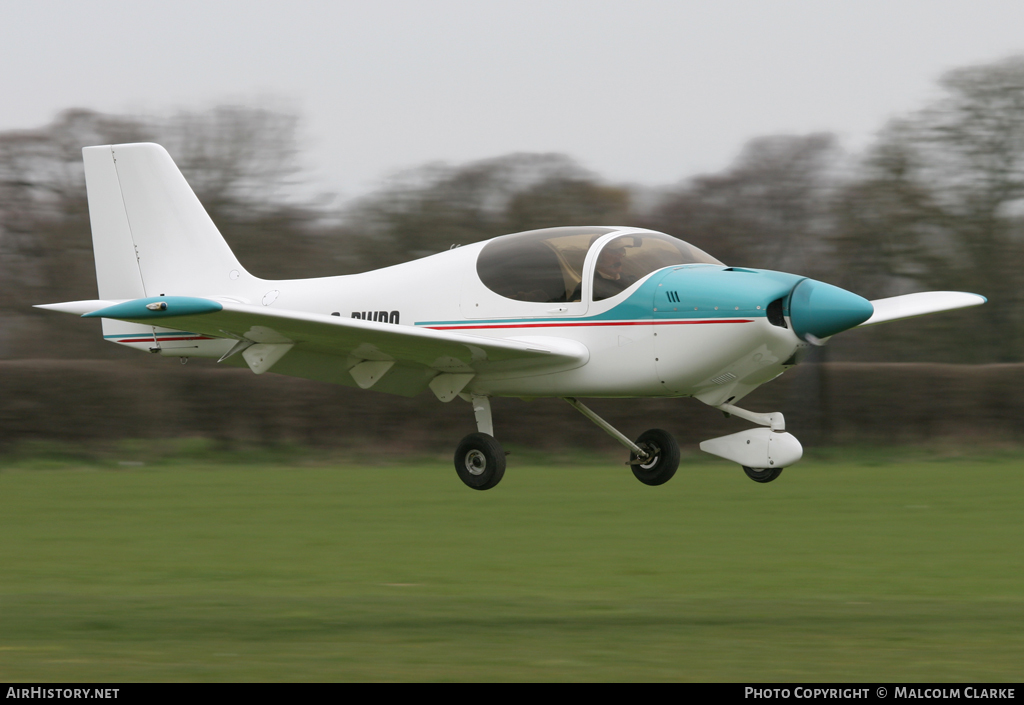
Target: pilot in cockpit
pixel 609 279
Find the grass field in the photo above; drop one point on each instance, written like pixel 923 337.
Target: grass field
pixel 865 566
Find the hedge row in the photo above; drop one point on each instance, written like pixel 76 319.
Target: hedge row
pixel 823 403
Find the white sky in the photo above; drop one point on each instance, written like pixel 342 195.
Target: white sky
pixel 641 91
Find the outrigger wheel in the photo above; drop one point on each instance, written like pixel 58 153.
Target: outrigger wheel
pixel 663 457
pixel 480 461
pixel 762 474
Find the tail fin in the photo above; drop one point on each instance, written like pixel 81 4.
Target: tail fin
pixel 150 233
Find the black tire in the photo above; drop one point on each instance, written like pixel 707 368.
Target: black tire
pixel 480 461
pixel 762 474
pixel 665 462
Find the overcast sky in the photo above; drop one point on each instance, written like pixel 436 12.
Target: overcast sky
pixel 641 91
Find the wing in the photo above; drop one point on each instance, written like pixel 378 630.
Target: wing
pixel 399 359
pixel 911 305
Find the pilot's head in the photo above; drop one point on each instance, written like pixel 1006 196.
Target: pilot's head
pixel 609 262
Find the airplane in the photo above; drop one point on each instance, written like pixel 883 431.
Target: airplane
pixel 571 312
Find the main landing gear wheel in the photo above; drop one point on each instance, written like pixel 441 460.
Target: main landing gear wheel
pixel 762 474
pixel 480 461
pixel 663 457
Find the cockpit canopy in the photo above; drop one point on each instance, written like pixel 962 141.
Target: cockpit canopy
pixel 547 266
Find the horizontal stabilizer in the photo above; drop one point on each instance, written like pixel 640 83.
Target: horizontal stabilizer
pixel 911 305
pixel 155 307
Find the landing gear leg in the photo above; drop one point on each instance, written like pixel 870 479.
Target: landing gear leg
pixel 479 459
pixel 654 457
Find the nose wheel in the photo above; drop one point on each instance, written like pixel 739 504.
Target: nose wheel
pixel 762 474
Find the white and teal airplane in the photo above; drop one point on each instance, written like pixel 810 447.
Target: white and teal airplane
pixel 564 312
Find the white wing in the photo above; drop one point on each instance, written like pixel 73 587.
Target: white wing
pixel 911 305
pixel 398 359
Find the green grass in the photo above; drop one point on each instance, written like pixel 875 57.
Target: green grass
pixel 878 565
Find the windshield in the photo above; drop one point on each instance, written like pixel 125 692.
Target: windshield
pixel 626 260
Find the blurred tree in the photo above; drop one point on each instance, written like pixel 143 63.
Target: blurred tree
pixel 428 209
pixel 768 210
pixel 239 160
pixel 562 200
pixel 940 204
pixel 243 164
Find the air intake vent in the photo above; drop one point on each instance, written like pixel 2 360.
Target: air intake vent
pixel 775 316
pixel 722 379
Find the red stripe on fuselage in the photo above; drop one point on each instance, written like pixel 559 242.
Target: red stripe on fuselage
pixel 162 340
pixel 593 323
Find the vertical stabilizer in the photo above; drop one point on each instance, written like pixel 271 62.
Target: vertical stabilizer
pixel 151 235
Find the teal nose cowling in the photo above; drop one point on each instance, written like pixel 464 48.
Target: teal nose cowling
pixel 818 310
